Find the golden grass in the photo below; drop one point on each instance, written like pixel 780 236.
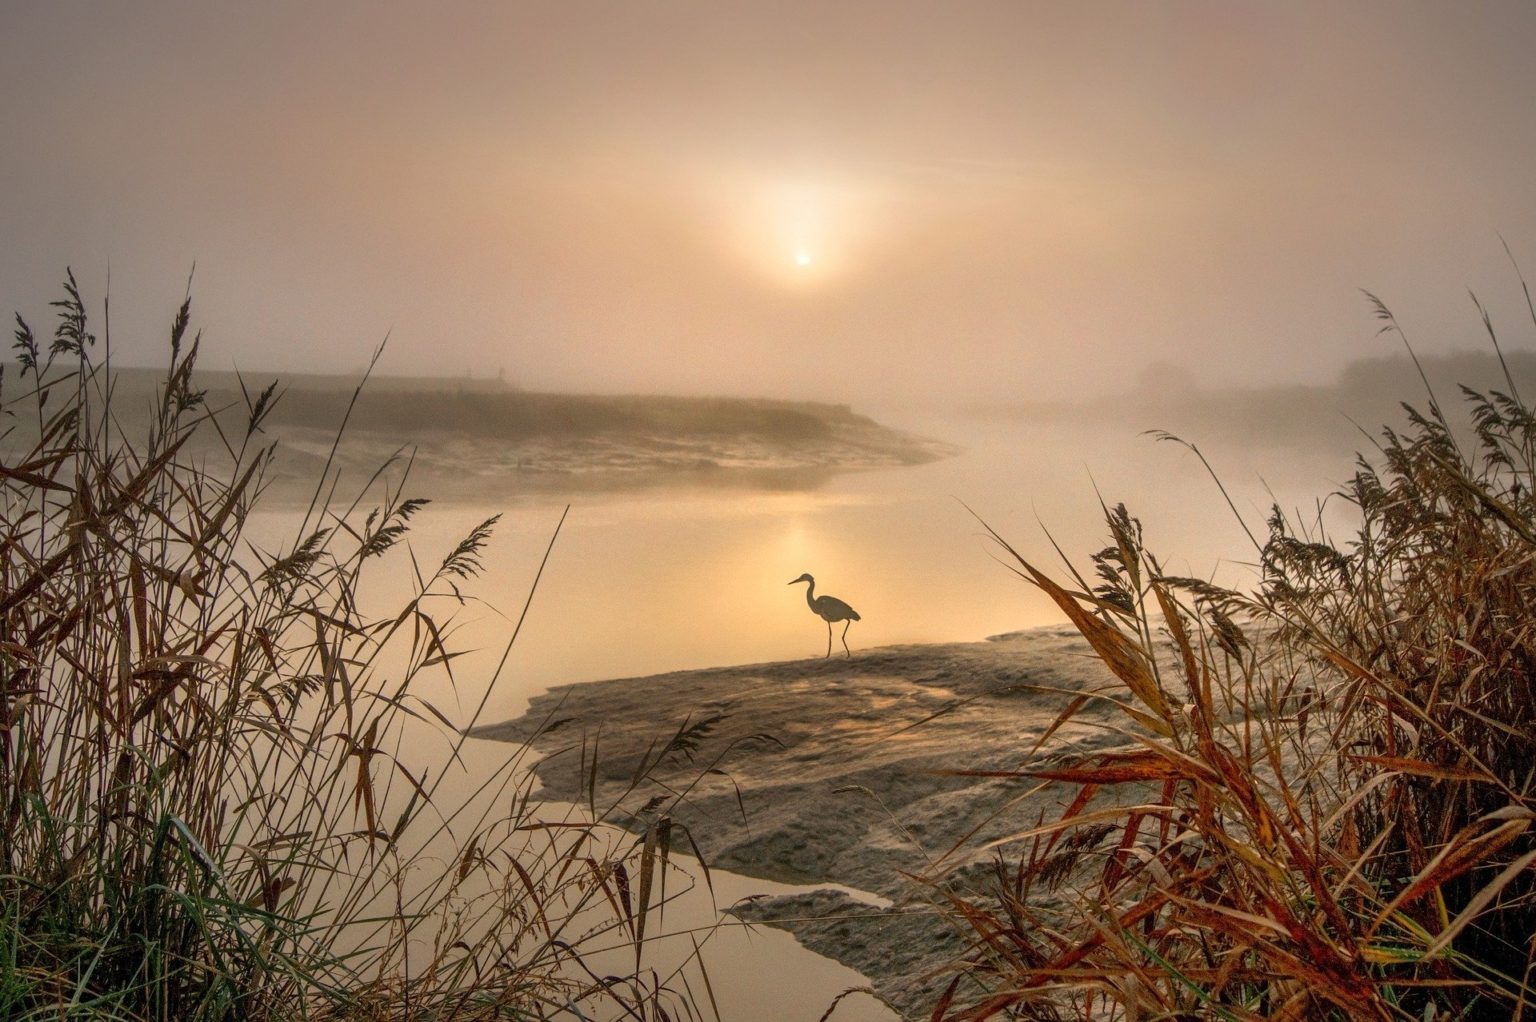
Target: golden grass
pixel 208 805
pixel 1323 804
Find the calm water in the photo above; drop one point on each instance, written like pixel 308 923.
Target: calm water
pixel 640 583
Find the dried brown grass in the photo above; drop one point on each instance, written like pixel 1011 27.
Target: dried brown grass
pixel 1323 804
pixel 213 799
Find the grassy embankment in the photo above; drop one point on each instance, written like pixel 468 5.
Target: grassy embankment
pixel 481 440
pixel 1324 805
pixel 207 809
pixel 410 406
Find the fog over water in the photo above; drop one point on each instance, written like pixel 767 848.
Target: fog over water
pixel 677 578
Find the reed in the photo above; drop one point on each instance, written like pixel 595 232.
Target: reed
pixel 1322 803
pixel 212 803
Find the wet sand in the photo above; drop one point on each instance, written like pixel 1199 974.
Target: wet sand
pixel 839 771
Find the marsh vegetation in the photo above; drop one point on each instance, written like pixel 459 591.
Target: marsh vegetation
pixel 209 805
pixel 1324 804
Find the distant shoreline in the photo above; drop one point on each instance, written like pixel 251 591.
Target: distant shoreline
pixel 487 441
pixel 488 446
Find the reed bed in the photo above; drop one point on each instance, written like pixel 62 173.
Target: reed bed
pixel 213 804
pixel 1322 803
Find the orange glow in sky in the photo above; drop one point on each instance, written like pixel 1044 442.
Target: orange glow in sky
pixel 715 197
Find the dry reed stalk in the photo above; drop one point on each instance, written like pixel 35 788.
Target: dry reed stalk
pixel 206 811
pixel 1323 805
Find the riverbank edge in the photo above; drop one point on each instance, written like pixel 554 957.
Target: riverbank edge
pixel 832 771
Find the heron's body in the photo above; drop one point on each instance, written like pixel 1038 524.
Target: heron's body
pixel 829 609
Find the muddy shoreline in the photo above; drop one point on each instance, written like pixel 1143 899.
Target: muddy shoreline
pixel 843 770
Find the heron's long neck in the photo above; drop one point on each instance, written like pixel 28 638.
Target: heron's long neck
pixel 810 595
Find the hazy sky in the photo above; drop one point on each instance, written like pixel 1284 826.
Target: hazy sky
pixel 838 200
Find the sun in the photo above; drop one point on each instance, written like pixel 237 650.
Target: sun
pixel 797 233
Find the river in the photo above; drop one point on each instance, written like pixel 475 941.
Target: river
pixel 642 582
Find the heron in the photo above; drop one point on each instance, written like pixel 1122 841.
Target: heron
pixel 829 609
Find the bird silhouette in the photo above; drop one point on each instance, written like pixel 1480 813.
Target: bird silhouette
pixel 829 609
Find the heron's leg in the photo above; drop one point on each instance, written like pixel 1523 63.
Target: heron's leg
pixel 829 640
pixel 846 626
